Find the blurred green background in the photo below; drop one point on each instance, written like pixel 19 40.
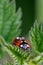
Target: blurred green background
pixel 31 10
pixel 28 14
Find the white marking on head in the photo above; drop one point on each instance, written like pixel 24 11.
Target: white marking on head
pixel 17 38
pixel 21 45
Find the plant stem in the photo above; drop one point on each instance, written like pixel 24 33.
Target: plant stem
pixel 39 10
pixel 2 41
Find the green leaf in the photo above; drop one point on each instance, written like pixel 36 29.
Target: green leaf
pixel 19 55
pixel 36 36
pixel 10 20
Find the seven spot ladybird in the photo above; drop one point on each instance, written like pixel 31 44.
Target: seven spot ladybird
pixel 21 42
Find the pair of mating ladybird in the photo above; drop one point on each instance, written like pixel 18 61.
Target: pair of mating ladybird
pixel 21 42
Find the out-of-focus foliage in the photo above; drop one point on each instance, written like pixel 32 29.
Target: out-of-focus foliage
pixel 39 10
pixel 2 54
pixel 9 20
pixel 28 17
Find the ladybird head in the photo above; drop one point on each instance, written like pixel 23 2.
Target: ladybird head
pixel 25 45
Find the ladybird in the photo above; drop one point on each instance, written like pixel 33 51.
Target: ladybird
pixel 21 42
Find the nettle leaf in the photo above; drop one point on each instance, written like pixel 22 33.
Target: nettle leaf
pixel 19 55
pixel 10 20
pixel 36 36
